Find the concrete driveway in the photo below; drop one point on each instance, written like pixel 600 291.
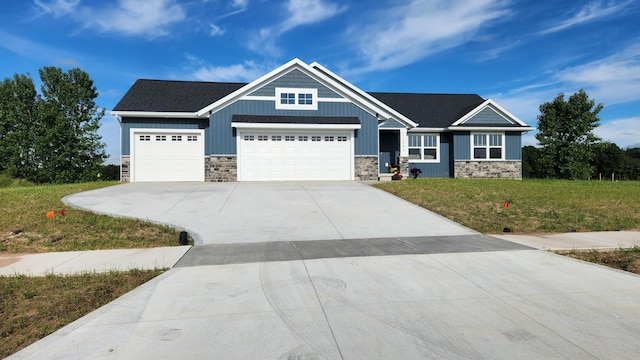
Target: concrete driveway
pixel 231 213
pixel 441 292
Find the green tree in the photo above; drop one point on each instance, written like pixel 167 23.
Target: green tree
pixel 531 163
pixel 52 136
pixel 608 159
pixel 565 135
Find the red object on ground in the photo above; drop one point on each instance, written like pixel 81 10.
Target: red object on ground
pixel 506 204
pixel 62 212
pixel 51 214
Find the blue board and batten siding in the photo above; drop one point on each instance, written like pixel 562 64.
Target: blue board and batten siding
pixel 441 169
pixel 155 123
pixel 221 138
pixel 513 146
pixel 462 146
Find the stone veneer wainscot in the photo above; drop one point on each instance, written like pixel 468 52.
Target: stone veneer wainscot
pixel 220 168
pixel 366 168
pixel 488 169
pixel 125 166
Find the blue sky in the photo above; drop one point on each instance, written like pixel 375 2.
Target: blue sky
pixel 518 53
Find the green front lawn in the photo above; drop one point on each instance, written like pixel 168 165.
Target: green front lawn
pixel 551 206
pixel 24 227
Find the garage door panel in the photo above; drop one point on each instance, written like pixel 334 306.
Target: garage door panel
pixel 167 155
pixel 295 156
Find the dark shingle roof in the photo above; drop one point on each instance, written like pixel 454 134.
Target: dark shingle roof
pixel 430 110
pixel 277 119
pixel 174 96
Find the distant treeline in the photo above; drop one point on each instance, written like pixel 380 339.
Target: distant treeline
pixel 609 159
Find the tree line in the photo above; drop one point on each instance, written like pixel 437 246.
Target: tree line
pixel 50 136
pixel 570 150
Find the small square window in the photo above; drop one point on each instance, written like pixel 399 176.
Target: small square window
pixel 249 138
pixel 263 138
pixel 287 98
pixel 316 138
pixel 342 138
pixel 480 153
pixel 303 138
pixel 276 138
pixel 328 138
pixel 495 153
pixel 161 138
pixel 145 137
pixel 192 137
pixel 176 137
pixel 305 99
pixel 289 138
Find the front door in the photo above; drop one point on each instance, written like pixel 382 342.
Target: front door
pixel 389 149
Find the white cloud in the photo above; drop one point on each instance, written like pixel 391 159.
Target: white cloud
pixel 622 132
pixel 57 8
pixel 305 12
pixel 411 32
pixel 245 72
pixel 299 13
pixel 139 17
pixel 215 30
pixel 592 11
pixel 242 4
pixel 130 17
pixel 611 80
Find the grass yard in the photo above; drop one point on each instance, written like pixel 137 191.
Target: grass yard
pixel 535 206
pixel 34 307
pixel 24 227
pixel 622 259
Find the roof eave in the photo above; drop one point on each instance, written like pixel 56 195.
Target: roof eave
pixel 156 114
pixel 490 129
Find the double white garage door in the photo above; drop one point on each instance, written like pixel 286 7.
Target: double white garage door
pixel 308 155
pixel 178 155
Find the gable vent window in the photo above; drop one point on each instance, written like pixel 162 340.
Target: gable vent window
pixel 425 148
pixel 296 99
pixel 487 146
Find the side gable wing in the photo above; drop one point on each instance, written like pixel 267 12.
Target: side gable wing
pixel 489 115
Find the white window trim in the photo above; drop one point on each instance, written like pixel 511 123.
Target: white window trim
pixel 488 147
pixel 422 147
pixel 296 106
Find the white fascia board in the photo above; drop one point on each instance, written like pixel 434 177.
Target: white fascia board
pixel 352 88
pixel 251 86
pixel 427 130
pixel 492 104
pixel 147 114
pixel 243 125
pixel 490 129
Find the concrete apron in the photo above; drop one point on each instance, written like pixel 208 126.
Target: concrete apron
pixel 229 213
pixel 484 305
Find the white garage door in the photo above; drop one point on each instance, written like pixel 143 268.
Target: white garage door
pixel 310 155
pixel 173 155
